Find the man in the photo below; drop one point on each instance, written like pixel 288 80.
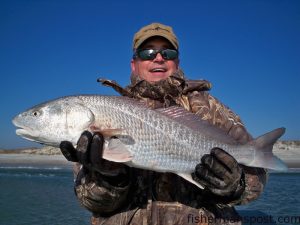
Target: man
pixel 117 194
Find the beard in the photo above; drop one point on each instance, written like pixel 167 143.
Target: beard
pixel 162 90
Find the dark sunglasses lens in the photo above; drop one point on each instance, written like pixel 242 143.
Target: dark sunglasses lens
pixel 150 54
pixel 169 54
pixel 147 54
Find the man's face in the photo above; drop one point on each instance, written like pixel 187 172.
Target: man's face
pixel 158 68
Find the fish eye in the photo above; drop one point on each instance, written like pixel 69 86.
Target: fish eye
pixel 36 113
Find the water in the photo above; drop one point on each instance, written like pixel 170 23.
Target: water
pixel 34 196
pixel 30 195
pixel 280 200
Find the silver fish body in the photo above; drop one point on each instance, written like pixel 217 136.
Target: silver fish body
pixel 165 140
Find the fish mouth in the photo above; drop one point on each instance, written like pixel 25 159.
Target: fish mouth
pixel 25 132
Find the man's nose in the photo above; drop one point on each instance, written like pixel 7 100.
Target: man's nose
pixel 158 58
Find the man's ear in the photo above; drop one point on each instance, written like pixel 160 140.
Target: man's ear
pixel 177 63
pixel 132 65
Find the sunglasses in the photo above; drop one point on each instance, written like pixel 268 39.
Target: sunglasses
pixel 150 54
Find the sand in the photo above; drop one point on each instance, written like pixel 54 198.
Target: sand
pixel 31 160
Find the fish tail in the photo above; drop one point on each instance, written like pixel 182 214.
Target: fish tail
pixel 264 156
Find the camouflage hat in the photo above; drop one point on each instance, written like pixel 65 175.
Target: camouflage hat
pixel 155 29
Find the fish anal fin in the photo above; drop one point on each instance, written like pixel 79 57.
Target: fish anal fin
pixel 189 178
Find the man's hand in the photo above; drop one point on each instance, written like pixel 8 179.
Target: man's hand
pixel 89 153
pixel 220 173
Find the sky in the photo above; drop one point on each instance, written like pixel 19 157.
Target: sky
pixel 248 50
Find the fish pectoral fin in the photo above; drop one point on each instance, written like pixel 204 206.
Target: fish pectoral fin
pixel 126 139
pixel 189 178
pixel 116 132
pixel 116 151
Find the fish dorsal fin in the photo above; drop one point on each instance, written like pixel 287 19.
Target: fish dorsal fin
pixel 180 114
pixel 175 113
pixel 194 122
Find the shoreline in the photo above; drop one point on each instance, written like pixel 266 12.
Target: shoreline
pixel 31 160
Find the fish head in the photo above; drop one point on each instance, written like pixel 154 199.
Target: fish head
pixel 50 123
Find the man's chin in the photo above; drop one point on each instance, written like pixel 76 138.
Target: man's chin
pixel 156 76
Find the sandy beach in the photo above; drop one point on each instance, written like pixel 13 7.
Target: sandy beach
pixel 40 161
pixel 289 152
pixel 33 158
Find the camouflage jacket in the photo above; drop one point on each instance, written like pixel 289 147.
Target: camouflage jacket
pixel 148 197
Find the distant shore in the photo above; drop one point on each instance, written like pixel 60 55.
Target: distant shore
pixel 27 160
pixel 288 151
pixel 36 157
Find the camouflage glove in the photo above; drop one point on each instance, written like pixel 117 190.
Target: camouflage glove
pixel 89 154
pixel 220 174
